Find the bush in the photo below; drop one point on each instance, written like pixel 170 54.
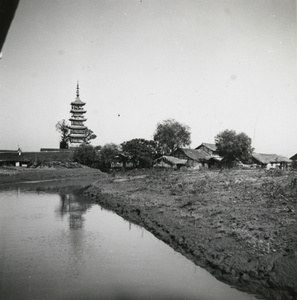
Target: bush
pixel 85 154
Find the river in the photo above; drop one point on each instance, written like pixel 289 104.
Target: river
pixel 62 246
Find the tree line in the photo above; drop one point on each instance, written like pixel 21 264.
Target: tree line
pixel 168 137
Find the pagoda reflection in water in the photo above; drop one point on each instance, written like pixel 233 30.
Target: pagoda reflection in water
pixel 74 207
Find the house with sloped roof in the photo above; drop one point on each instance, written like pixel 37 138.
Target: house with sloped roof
pixel 195 158
pixel 121 161
pixel 271 161
pixel 211 149
pixel 169 162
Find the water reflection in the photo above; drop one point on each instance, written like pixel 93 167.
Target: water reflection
pixel 74 207
pixel 61 246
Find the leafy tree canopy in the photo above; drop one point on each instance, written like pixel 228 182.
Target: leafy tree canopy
pixel 232 146
pixel 171 135
pixel 63 129
pixel 107 154
pixel 85 154
pixel 141 152
pixel 90 135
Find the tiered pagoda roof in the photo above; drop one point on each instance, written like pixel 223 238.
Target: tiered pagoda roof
pixel 77 128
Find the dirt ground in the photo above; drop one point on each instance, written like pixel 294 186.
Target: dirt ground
pixel 238 224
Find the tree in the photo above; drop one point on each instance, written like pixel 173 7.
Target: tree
pixel 171 135
pixel 85 154
pixel 141 152
pixel 63 128
pixel 232 146
pixel 90 135
pixel 107 155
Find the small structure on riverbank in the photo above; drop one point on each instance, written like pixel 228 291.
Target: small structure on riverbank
pixel 18 158
pixel 121 161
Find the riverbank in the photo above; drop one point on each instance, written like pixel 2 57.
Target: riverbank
pixel 240 225
pixel 50 178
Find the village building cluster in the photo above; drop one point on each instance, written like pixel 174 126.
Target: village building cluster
pixel 206 155
pixel 203 156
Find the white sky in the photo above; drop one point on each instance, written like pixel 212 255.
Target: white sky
pixel 209 64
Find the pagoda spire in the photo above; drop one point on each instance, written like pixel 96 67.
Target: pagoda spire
pixel 77 90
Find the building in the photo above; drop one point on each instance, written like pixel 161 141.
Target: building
pixel 23 159
pixel 294 161
pixel 211 149
pixel 169 162
pixel 78 131
pixel 271 161
pixel 121 161
pixel 194 158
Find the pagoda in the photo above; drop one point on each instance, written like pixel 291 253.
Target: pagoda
pixel 77 128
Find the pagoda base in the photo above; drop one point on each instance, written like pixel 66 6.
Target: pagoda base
pixel 74 145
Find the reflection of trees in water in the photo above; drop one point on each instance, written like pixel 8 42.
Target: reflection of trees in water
pixel 74 207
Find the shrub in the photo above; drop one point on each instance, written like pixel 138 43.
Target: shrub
pixel 85 154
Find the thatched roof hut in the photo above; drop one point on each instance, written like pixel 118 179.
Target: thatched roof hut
pixel 169 162
pixel 271 160
pixel 208 148
pixel 262 158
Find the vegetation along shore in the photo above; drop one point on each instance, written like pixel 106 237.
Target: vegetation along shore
pixel 238 224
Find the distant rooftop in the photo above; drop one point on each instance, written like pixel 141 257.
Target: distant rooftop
pixel 210 146
pixel 270 158
pixel 195 154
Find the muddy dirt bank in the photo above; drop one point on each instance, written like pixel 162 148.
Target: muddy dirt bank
pixel 240 225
